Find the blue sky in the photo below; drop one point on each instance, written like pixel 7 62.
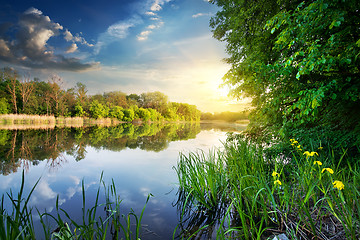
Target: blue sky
pixel 116 45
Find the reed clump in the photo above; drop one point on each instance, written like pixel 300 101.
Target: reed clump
pixel 240 193
pixel 17 222
pixel 26 119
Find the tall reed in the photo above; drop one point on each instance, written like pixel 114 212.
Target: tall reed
pixel 19 224
pixel 307 195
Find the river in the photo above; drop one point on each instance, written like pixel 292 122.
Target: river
pixel 138 158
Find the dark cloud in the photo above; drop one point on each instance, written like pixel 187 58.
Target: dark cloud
pixel 29 45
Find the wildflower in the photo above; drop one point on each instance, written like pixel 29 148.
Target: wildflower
pixel 277 182
pixel 310 154
pixel 338 184
pixel 320 148
pixel 318 163
pixel 299 147
pixel 328 169
pixel 293 142
pixel 274 174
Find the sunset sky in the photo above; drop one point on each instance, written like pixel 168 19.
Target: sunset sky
pixel 119 45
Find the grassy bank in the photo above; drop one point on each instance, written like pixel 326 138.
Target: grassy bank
pixel 239 193
pixel 101 221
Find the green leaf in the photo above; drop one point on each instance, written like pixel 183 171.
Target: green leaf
pixel 358 43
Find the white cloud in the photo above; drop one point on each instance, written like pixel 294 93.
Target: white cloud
pixel 143 35
pixel 156 5
pixel 202 15
pixel 152 26
pixel 4 48
pixel 119 30
pixel 68 36
pixel 33 11
pixel 150 13
pixel 29 46
pixel 72 48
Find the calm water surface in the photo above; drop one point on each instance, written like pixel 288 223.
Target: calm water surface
pixel 139 159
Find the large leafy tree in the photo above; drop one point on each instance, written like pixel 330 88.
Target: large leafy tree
pixel 299 61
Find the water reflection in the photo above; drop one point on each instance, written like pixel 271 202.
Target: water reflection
pixel 23 148
pixel 139 159
pixel 197 221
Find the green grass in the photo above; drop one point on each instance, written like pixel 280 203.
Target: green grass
pixel 239 193
pixel 18 223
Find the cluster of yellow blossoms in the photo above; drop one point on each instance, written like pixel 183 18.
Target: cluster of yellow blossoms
pixel 276 177
pixel 337 184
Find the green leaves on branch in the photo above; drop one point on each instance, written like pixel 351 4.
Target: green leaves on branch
pixel 300 64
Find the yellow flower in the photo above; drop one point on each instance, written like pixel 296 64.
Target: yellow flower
pixel 320 148
pixel 327 169
pixel 277 182
pixel 318 163
pixel 274 174
pixel 338 184
pixel 299 147
pixel 310 154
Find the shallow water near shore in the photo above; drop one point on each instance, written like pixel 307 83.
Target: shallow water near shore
pixel 139 159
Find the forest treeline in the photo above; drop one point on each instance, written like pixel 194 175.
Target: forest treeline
pixel 23 95
pixel 33 96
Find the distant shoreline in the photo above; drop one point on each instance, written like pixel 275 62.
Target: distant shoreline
pixel 23 121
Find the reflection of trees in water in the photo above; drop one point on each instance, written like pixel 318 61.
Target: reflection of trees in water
pixel 23 148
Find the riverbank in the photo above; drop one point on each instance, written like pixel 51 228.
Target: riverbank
pixel 242 193
pixel 23 121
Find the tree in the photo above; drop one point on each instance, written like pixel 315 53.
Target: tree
pixel 79 111
pixel 26 87
pixel 11 76
pixel 129 115
pixel 155 100
pixel 81 92
pixel 116 112
pixel 144 114
pixel 116 98
pixel 299 63
pixel 97 110
pixel 56 93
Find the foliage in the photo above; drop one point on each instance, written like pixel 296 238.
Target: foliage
pixel 129 115
pixel 79 111
pixel 298 61
pixel 143 113
pixel 116 112
pixel 4 106
pixel 97 110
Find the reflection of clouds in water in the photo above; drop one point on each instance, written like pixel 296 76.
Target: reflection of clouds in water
pixel 44 191
pixel 126 198
pixel 44 195
pixel 75 179
pixel 70 192
pixel 6 182
pixel 145 191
